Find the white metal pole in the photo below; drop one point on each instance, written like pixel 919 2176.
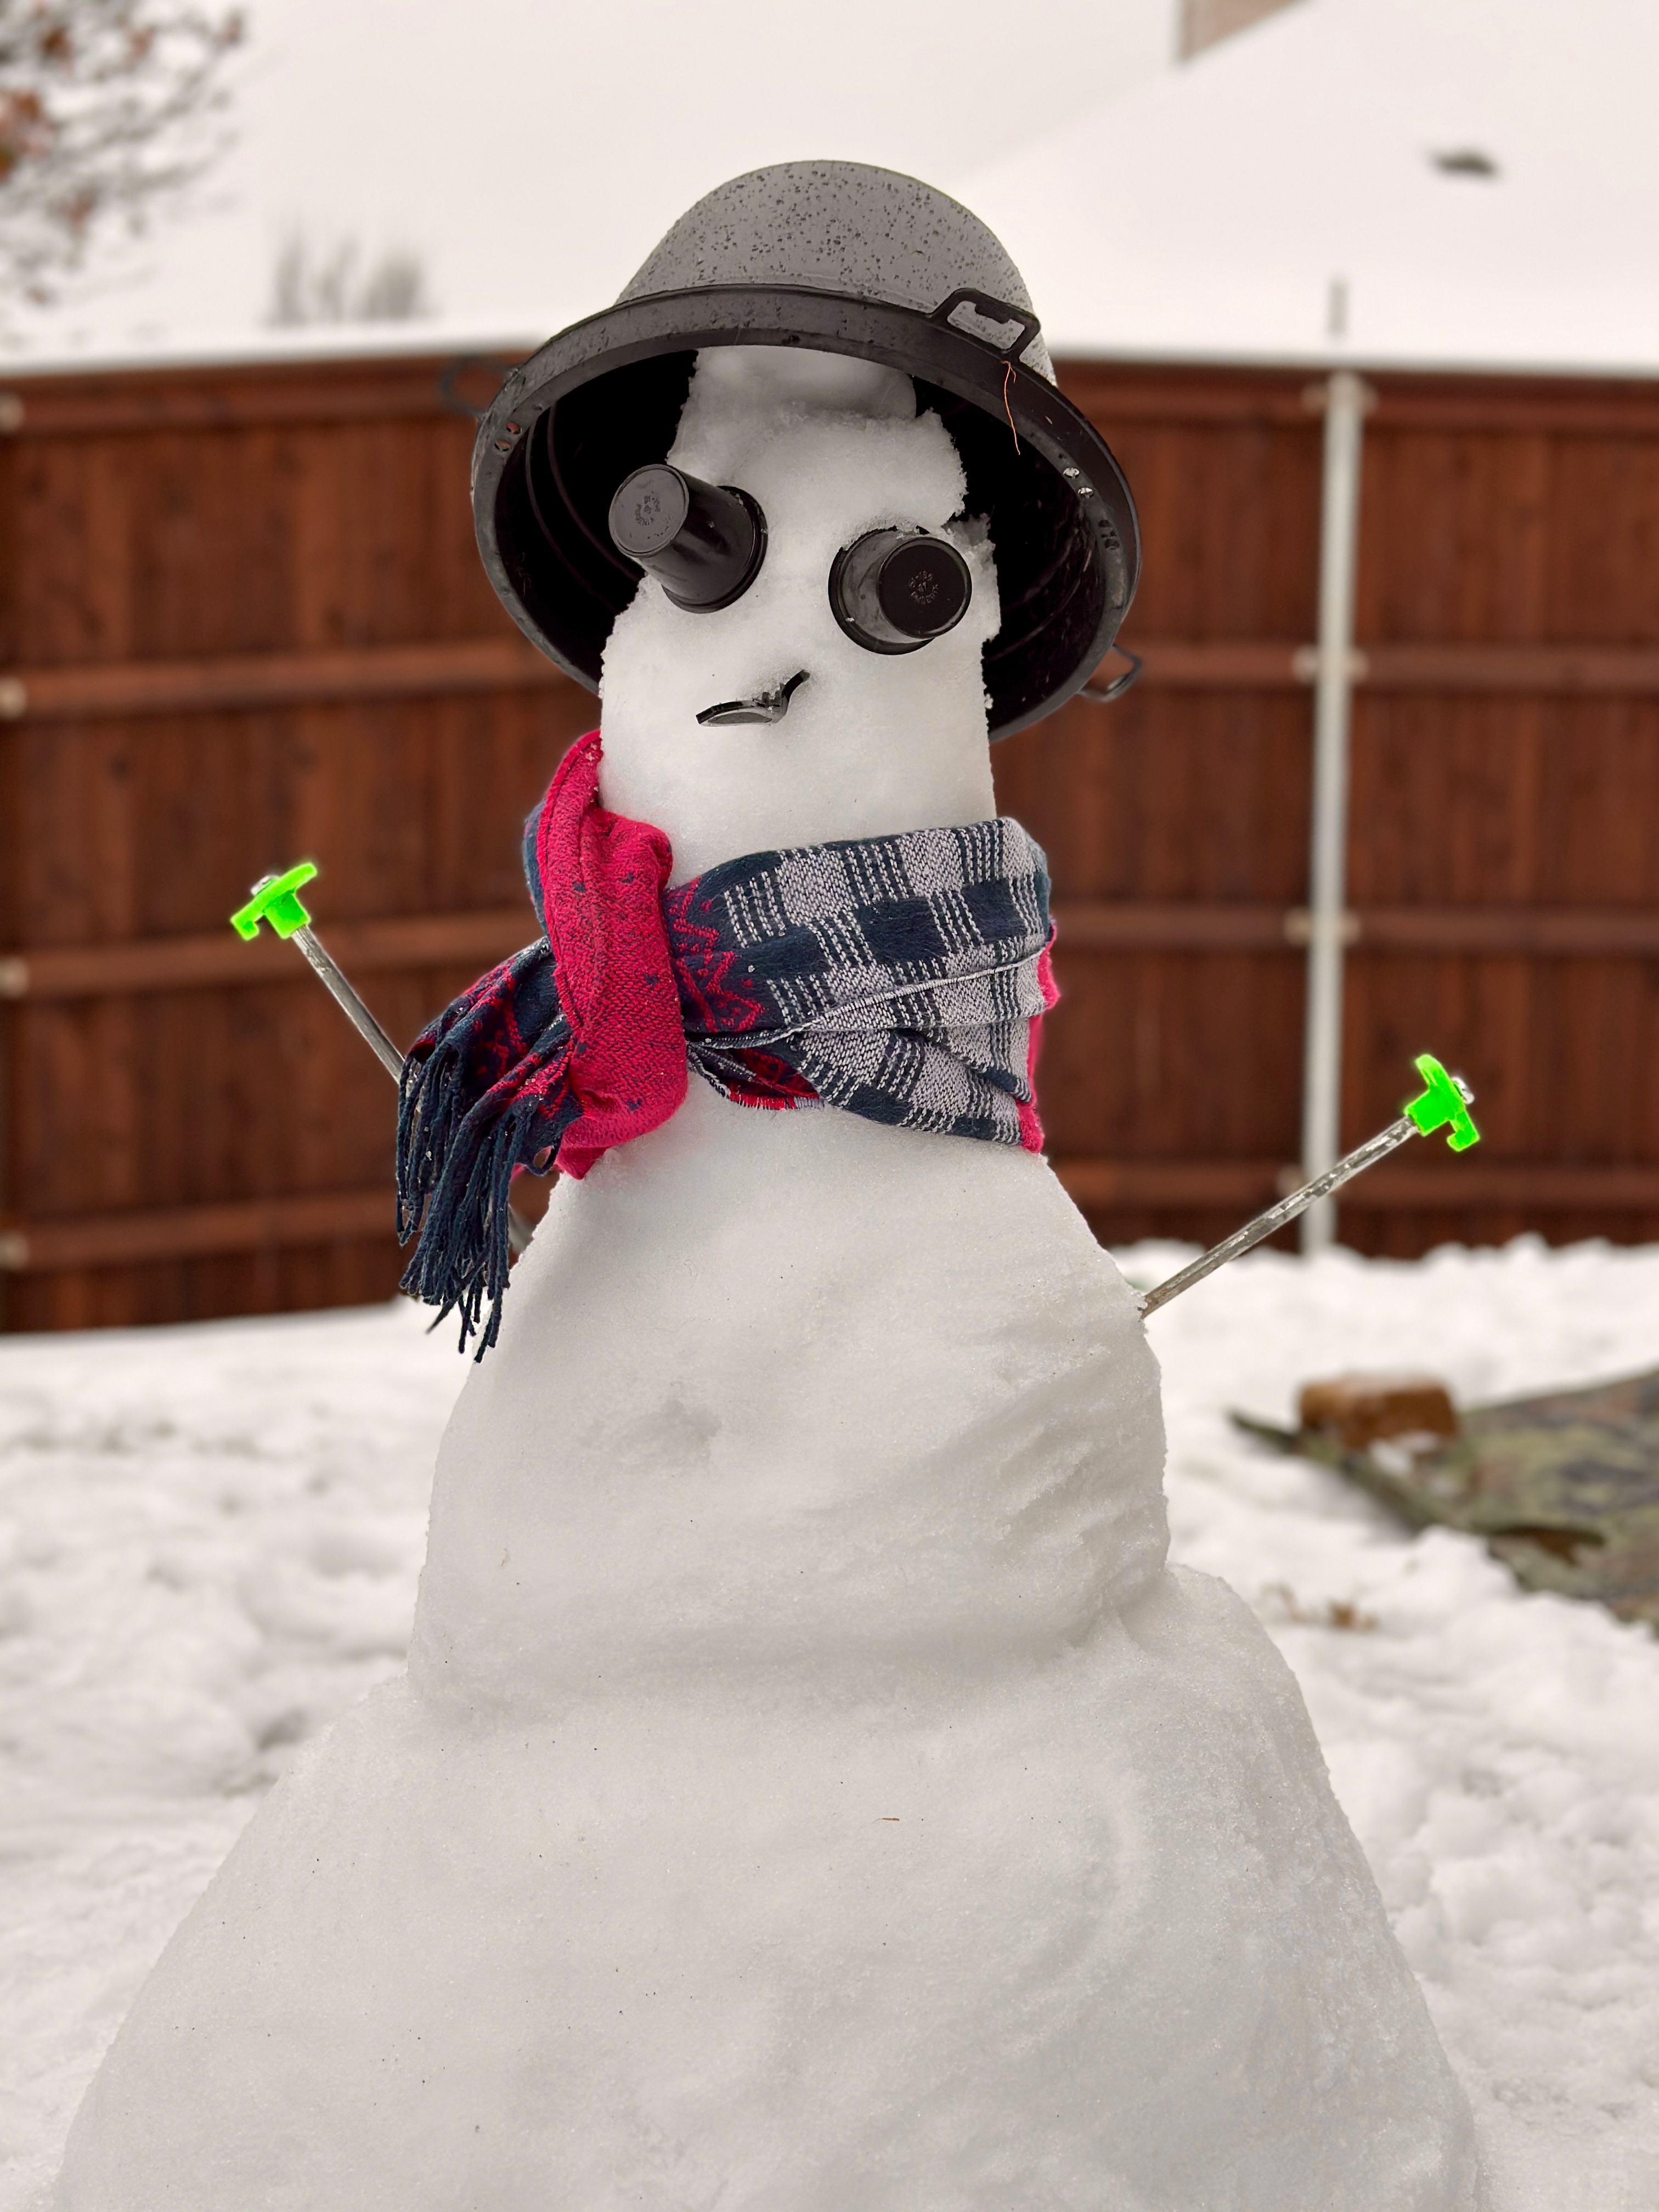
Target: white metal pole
pixel 1345 399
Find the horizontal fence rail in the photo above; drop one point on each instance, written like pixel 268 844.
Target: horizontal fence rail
pixel 1245 1187
pixel 87 971
pixel 178 1232
pixel 1240 1187
pixel 273 679
pixel 149 688
pixel 1283 664
pixel 430 941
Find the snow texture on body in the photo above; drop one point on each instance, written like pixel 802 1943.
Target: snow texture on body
pixel 208 1544
pixel 809 1787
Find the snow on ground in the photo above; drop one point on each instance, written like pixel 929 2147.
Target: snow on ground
pixel 210 1539
pixel 1497 1752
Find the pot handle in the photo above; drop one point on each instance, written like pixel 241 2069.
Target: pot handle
pixel 1101 694
pixel 990 309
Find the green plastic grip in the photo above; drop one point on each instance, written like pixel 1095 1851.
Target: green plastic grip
pixel 276 900
pixel 1441 1106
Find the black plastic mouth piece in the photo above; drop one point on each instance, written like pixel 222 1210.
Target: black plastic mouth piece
pixel 704 542
pixel 765 706
pixel 894 591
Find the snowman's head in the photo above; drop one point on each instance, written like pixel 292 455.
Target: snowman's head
pixel 829 449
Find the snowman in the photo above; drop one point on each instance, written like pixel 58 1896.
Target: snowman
pixel 811 1790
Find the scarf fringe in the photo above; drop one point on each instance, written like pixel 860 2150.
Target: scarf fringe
pixel 455 1164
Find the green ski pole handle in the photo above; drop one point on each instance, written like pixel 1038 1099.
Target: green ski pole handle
pixel 276 902
pixel 1443 1104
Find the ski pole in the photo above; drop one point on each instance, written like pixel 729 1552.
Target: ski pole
pixel 276 900
pixel 1443 1104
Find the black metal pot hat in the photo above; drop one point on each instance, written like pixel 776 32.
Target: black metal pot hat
pixel 841 259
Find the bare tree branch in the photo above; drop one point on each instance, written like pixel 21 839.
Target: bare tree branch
pixel 105 106
pixel 309 286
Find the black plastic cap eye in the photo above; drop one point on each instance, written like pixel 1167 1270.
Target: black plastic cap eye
pixel 894 591
pixel 704 542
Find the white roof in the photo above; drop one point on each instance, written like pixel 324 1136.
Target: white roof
pixel 531 152
pixel 1211 213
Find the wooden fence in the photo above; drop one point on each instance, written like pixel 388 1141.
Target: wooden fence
pixel 241 619
pixel 1503 857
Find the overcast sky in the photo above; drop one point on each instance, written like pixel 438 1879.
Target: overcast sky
pixel 1457 182
pixel 531 152
pixel 1282 197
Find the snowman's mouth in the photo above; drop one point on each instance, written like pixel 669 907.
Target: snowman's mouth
pixel 765 707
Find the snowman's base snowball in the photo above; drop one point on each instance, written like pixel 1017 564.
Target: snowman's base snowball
pixel 1086 1932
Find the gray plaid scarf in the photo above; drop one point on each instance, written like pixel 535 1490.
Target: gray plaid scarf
pixel 899 978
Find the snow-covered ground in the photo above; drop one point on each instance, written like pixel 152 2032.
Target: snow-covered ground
pixel 210 1539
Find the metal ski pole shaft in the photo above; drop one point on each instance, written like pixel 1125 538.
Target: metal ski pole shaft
pixel 276 900
pixel 355 1011
pixel 1444 1104
pixel 1277 1217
